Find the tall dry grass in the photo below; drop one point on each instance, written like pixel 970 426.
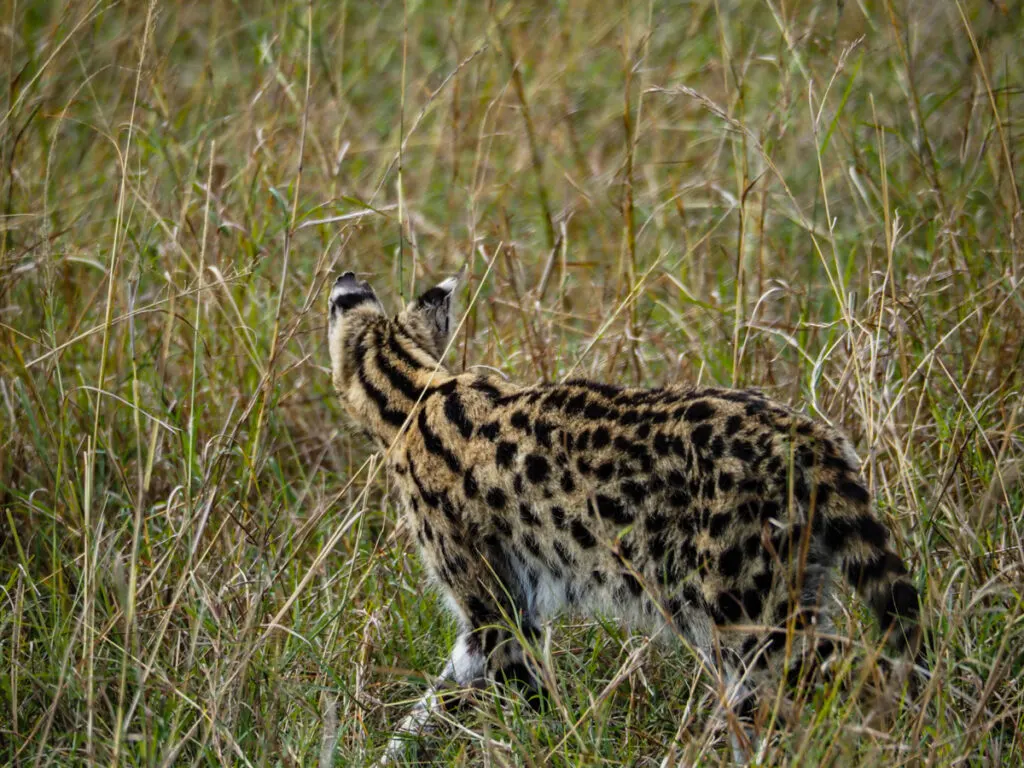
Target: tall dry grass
pixel 817 198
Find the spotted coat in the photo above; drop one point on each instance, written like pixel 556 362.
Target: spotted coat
pixel 717 515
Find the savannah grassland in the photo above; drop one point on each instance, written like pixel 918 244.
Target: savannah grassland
pixel 200 561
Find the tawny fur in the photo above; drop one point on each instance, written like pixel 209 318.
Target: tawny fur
pixel 718 515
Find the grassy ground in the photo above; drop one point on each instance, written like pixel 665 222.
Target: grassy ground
pixel 200 564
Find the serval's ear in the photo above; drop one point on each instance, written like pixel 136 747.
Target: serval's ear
pixel 352 305
pixel 349 293
pixel 433 311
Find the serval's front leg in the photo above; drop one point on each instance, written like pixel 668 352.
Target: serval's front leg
pixel 465 667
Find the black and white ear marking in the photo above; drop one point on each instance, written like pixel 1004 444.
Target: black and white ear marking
pixel 348 292
pixel 435 305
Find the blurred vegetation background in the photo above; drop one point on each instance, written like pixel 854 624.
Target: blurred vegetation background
pixel 200 563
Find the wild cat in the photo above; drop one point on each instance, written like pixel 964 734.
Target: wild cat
pixel 718 515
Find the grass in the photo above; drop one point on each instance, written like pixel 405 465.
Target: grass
pixel 200 563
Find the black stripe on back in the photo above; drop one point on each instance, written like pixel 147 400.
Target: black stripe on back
pixel 456 414
pixel 486 388
pixel 390 415
pixel 395 377
pixel 436 446
pixel 404 354
pixel 431 499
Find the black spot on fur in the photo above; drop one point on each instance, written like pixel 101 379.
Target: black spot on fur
pixel 601 438
pixel 661 444
pixel 777 637
pixel 532 545
pixel 728 608
pixel 526 514
pixel 496 498
pixel 607 390
pixel 752 545
pixel 731 562
pixel 822 494
pixel 568 482
pixel 901 604
pixel 733 425
pixel 838 532
pixel 505 454
pixel 752 603
pixel 492 637
pixel 677 479
pixel 611 509
pixel 679 499
pixel 833 461
pixel 632 584
pixel 801 491
pixel 543 430
pixel 520 421
pixel 742 450
pixel 752 485
pixel 556 399
pixel 469 485
pixel 449 509
pixel 576 404
pixel 558 516
pixel 805 456
pixel 701 410
pixel 634 491
pixel 490 430
pixel 680 450
pixel 717 447
pixel 605 471
pixel 656 547
pixel 537 468
pixel 874 569
pixel 487 389
pixel 629 417
pixel 583 440
pixel 754 407
pixel 700 436
pixel 656 523
pixel 478 612
pixel 749 511
pixel 582 534
pixel 854 491
pixel 564 554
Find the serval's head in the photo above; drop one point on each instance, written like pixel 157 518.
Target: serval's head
pixel 380 364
